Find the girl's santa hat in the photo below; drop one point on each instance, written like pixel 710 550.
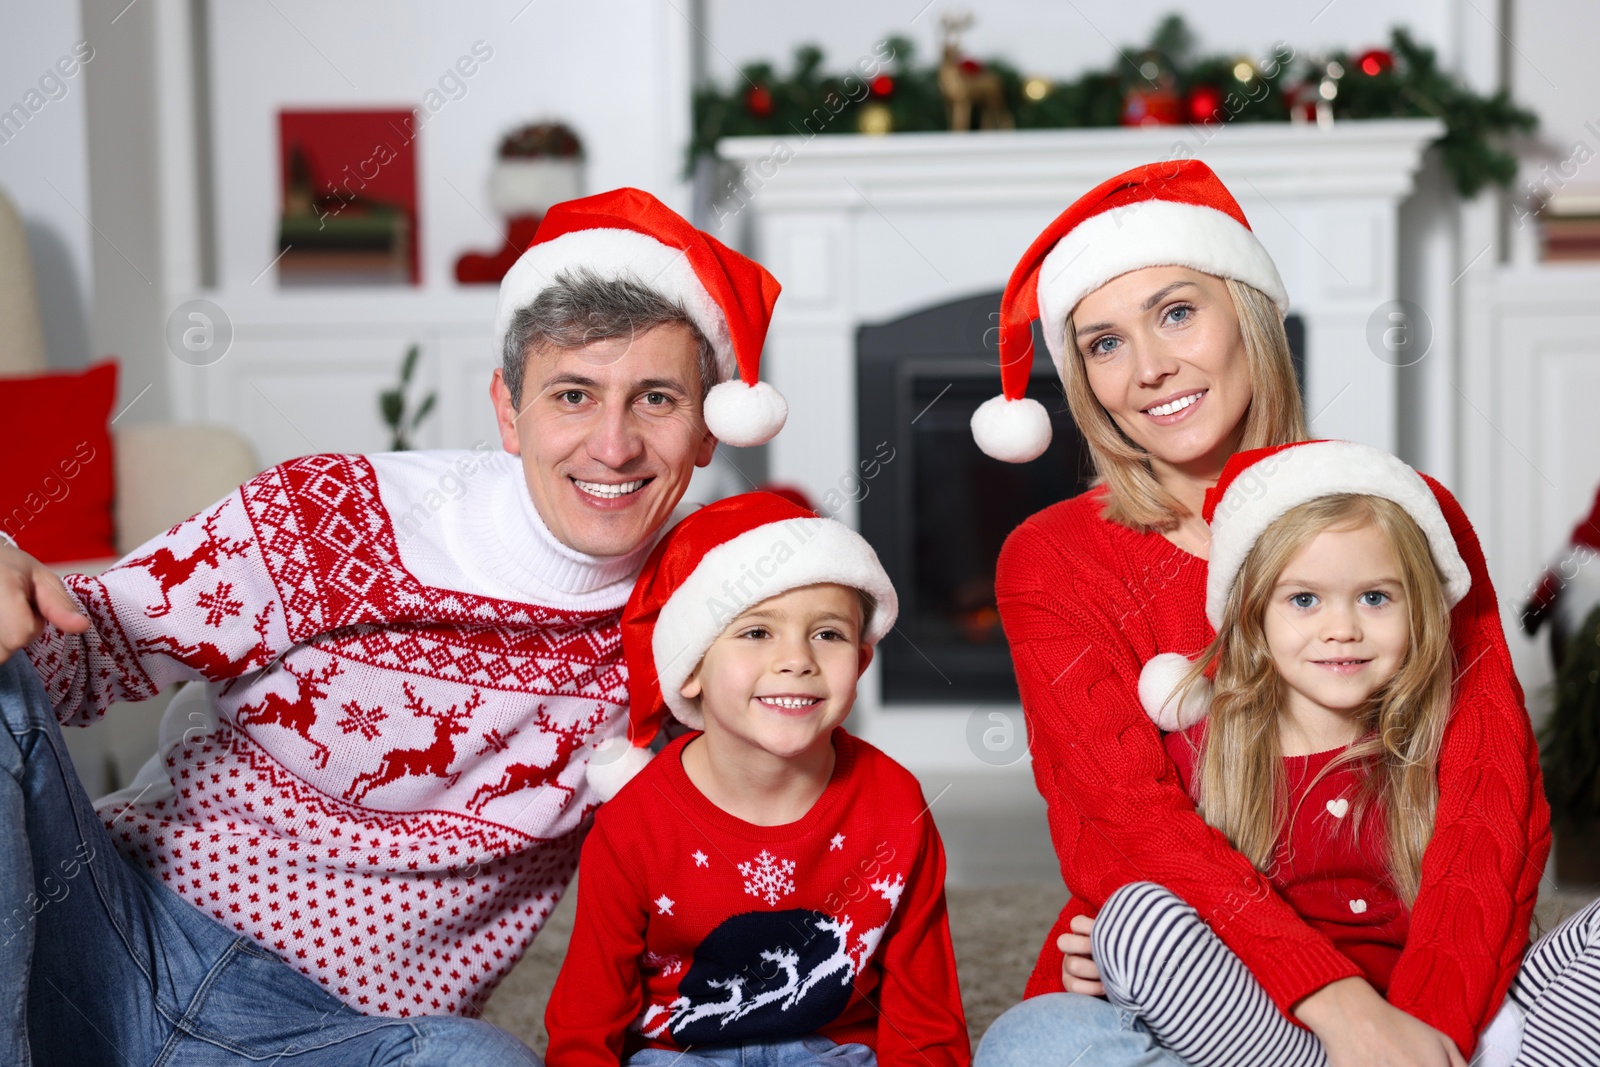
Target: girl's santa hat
pixel 1173 213
pixel 710 568
pixel 1259 487
pixel 629 234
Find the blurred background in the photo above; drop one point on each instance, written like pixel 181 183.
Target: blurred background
pixel 284 221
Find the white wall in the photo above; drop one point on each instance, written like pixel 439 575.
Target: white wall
pixel 616 70
pixel 44 169
pixel 1049 37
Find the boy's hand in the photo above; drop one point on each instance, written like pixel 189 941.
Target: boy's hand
pixel 30 596
pixel 1078 971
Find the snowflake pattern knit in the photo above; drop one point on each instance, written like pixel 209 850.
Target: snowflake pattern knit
pixel 695 927
pixel 376 776
pixel 1086 603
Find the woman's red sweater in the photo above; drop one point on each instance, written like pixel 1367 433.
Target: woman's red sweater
pixel 1085 602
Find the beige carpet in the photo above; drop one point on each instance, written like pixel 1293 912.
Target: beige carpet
pixel 997 932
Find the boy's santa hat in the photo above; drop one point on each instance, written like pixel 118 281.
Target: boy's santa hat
pixel 710 568
pixel 1259 487
pixel 629 234
pixel 1172 213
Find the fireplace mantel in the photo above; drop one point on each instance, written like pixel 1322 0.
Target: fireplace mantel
pixel 864 229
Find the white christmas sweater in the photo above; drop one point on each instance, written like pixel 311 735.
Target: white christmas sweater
pixel 380 775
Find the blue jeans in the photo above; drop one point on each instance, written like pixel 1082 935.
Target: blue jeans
pixel 1070 1030
pixel 118 969
pixel 788 1052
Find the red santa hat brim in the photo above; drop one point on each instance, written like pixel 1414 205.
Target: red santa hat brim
pixel 1260 486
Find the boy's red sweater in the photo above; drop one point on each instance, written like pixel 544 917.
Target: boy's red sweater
pixel 1085 602
pixel 695 927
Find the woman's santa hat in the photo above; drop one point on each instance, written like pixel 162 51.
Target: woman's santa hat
pixel 710 568
pixel 629 234
pixel 1173 213
pixel 1259 487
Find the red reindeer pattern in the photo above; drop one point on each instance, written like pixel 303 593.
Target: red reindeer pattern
pixel 433 761
pixel 298 714
pixel 210 660
pixel 172 571
pixel 520 776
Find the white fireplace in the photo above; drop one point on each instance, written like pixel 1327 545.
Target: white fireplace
pixel 865 229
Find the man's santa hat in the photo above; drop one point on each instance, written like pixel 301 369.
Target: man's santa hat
pixel 1173 213
pixel 710 568
pixel 1259 487
pixel 629 234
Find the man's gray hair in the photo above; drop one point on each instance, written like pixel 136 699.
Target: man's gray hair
pixel 579 308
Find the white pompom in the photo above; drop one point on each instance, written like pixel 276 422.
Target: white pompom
pixel 1158 683
pixel 745 415
pixel 613 764
pixel 1013 431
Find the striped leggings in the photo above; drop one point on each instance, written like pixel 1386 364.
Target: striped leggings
pixel 1159 961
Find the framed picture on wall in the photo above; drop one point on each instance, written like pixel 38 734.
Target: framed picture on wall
pixel 349 204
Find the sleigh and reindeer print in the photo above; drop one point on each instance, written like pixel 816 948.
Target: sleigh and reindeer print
pixel 377 771
pixel 696 928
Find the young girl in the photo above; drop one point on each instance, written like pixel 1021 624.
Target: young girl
pixel 1314 752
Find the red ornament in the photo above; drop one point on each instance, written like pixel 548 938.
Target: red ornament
pixel 1157 106
pixel 758 101
pixel 1375 61
pixel 971 66
pixel 1203 103
pixel 882 85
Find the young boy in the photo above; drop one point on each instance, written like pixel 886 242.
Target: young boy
pixel 770 889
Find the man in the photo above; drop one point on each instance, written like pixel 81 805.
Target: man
pixel 372 795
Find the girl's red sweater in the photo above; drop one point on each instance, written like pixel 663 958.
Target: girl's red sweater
pixel 1085 602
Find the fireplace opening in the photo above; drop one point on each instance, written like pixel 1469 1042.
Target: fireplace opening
pixel 939 511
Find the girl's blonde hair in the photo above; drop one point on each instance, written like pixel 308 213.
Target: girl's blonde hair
pixel 1275 416
pixel 1239 770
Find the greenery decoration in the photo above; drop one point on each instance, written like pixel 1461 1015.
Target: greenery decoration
pixel 392 403
pixel 892 90
pixel 1569 744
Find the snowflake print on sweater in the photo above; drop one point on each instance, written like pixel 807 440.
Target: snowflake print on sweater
pixel 808 936
pixel 768 877
pixel 377 769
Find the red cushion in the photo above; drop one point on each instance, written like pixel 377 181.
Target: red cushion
pixel 56 470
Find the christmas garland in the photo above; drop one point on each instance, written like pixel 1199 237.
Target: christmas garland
pixel 889 91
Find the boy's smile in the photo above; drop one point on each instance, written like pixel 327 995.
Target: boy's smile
pixel 783 674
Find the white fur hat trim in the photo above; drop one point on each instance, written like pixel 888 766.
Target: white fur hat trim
pixel 1150 233
pixel 1264 492
pixel 1158 685
pixel 615 254
pixel 754 566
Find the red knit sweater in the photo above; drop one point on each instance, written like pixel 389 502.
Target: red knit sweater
pixel 1086 602
pixel 1330 865
pixel 695 927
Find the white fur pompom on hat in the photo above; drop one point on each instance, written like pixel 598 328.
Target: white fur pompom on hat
pixel 1158 684
pixel 745 415
pixel 613 763
pixel 1012 431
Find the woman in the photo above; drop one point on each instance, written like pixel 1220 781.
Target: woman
pixel 1163 313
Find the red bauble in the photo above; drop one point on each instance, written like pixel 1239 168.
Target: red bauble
pixel 971 66
pixel 1203 103
pixel 882 85
pixel 1152 107
pixel 758 101
pixel 1375 61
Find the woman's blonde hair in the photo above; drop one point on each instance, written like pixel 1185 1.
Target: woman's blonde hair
pixel 1275 416
pixel 1239 770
